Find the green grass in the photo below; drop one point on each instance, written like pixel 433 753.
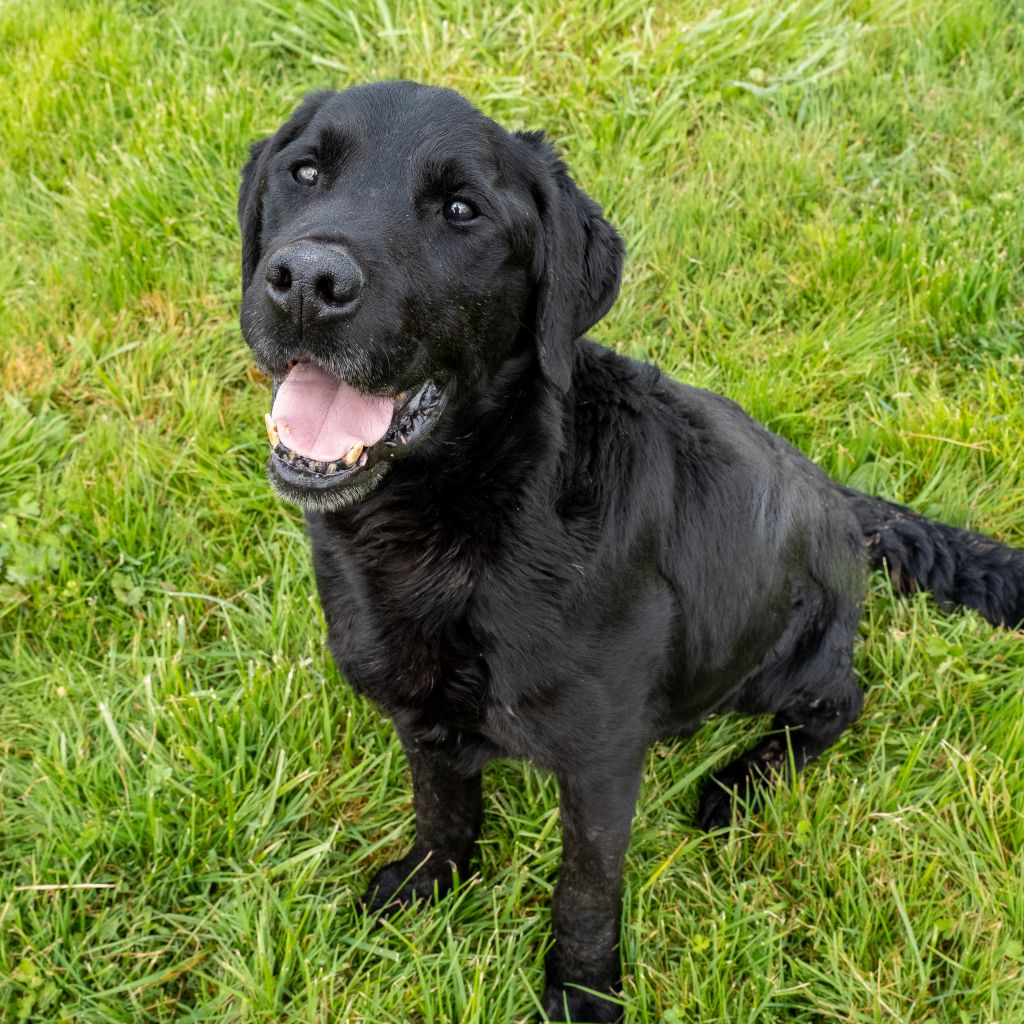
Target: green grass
pixel 823 203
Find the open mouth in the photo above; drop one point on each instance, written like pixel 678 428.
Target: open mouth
pixel 325 433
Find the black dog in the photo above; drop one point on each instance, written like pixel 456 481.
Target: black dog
pixel 526 545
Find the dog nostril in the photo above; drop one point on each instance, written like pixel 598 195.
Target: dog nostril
pixel 337 290
pixel 279 277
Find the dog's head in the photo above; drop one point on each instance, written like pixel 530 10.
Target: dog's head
pixel 397 248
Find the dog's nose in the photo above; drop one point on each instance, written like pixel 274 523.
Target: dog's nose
pixel 313 282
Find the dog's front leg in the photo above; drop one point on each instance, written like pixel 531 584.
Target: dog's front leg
pixel 448 807
pixel 597 813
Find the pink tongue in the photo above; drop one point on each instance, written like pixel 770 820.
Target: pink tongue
pixel 321 417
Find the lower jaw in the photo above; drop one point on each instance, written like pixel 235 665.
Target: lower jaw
pixel 315 495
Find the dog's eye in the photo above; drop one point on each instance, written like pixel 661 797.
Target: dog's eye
pixel 306 174
pixel 458 211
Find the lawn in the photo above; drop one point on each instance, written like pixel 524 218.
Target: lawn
pixel 824 207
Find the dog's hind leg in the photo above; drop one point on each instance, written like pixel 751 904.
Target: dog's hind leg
pixel 809 718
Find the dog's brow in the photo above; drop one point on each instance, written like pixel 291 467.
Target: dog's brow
pixel 333 144
pixel 446 174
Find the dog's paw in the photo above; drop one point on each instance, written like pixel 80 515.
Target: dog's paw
pixel 569 1003
pixel 717 808
pixel 413 877
pixel 740 787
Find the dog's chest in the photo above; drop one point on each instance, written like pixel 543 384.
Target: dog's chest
pixel 401 627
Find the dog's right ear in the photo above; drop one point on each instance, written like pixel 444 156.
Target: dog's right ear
pixel 250 196
pixel 254 178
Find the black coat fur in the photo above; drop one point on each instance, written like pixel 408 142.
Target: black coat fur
pixel 584 555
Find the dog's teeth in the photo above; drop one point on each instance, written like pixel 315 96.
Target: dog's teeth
pixel 272 433
pixel 400 397
pixel 354 454
pixel 332 469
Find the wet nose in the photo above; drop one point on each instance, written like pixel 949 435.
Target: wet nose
pixel 313 282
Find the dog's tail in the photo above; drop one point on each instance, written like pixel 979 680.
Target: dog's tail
pixel 958 567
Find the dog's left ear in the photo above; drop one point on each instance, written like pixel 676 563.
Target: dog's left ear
pixel 582 263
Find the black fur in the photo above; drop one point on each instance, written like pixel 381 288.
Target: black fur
pixel 958 567
pixel 584 555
